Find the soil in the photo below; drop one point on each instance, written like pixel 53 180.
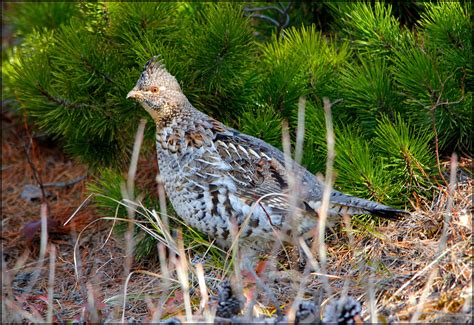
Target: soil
pixel 100 257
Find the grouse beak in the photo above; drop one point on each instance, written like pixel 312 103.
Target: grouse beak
pixel 133 94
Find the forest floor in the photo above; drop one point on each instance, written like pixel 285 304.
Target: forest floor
pixel 418 269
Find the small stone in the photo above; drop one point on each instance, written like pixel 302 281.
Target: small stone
pixel 33 193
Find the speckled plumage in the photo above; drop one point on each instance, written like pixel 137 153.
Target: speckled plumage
pixel 213 174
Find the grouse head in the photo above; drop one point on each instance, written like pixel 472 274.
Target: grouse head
pixel 157 89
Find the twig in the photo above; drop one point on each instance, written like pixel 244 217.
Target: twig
pixel 65 184
pixel 36 174
pixel 162 198
pixel 280 11
pixel 166 282
pixel 93 69
pixel 372 299
pixel 93 315
pixel 278 23
pixel 433 120
pixel 60 101
pixel 271 20
pixel 287 19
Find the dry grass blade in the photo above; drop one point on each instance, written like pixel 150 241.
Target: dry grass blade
pixel 300 242
pixel 163 207
pixel 421 272
pixel 125 287
pixel 182 272
pixel 204 296
pixel 300 128
pixel 134 161
pixel 442 241
pixel 292 178
pixel 43 245
pixel 372 300
pixel 52 267
pixel 78 209
pixel 323 211
pixel 128 193
pixel 166 282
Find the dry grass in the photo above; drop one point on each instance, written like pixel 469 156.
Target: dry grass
pixel 416 268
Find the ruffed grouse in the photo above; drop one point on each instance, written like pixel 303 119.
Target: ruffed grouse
pixel 215 175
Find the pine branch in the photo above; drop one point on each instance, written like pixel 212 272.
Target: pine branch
pixel 95 70
pixel 58 100
pixel 278 23
pixel 433 121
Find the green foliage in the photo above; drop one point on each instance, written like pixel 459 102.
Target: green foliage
pixel 372 29
pixel 131 21
pixel 303 63
pixel 428 79
pixel 48 15
pixel 107 192
pixel 262 122
pixel 408 154
pixel 391 165
pixel 448 30
pixel 71 93
pixel 219 57
pixel 142 30
pixel 283 79
pixel 400 87
pixel 361 172
pixel 370 87
pixel 433 97
pixel 314 153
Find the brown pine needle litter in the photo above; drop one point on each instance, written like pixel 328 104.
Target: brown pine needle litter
pixel 387 266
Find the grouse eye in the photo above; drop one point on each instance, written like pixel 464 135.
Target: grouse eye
pixel 154 89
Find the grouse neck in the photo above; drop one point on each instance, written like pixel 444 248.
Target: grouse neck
pixel 176 116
